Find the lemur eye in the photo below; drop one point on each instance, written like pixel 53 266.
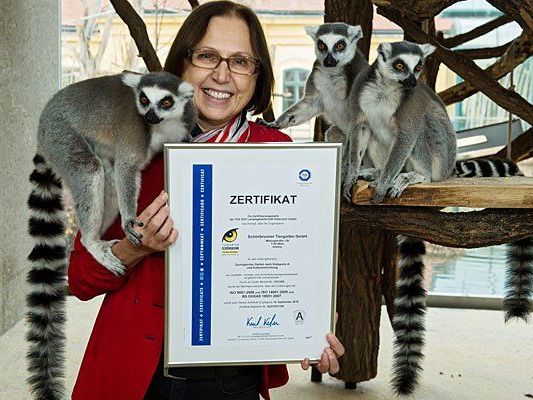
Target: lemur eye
pixel 418 68
pixel 340 46
pixel 167 103
pixel 398 66
pixel 144 100
pixel 321 45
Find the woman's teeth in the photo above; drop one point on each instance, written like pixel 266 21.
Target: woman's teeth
pixel 217 95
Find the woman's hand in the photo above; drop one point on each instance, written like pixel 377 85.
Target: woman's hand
pixel 329 360
pixel 158 233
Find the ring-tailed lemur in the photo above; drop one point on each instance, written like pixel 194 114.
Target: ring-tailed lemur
pixel 402 135
pixel 94 136
pixel 338 61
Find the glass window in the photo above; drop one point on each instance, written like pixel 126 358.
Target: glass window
pixel 293 86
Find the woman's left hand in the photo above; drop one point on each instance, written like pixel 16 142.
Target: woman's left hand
pixel 329 360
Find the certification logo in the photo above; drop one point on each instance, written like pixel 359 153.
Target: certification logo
pixel 299 317
pixel 230 245
pixel 304 175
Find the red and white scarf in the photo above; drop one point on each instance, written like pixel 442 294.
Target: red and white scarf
pixel 236 131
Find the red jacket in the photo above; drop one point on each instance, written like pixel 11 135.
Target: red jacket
pixel 127 337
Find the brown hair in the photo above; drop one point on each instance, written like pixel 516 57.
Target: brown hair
pixel 193 30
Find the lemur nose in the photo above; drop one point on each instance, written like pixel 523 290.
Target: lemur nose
pixel 329 61
pixel 151 118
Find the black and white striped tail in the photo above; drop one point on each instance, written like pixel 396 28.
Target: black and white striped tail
pixel 409 316
pixel 47 279
pixel 486 167
pixel 518 301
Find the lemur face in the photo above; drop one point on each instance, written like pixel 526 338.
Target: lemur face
pixel 403 61
pixel 335 43
pixel 159 96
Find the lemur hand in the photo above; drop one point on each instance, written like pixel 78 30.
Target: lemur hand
pixel 261 121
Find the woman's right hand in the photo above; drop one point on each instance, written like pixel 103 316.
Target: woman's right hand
pixel 158 233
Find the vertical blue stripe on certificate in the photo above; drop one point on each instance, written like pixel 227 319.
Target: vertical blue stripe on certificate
pixel 202 200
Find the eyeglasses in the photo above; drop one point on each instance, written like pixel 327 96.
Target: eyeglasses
pixel 210 59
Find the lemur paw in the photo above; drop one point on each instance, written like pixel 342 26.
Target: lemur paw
pixel 261 121
pixel 132 235
pixel 370 174
pixel 347 191
pixel 102 253
pixel 380 190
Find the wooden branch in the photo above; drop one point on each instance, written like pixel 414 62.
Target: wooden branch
pixel 415 9
pixel 511 192
pixel 194 3
pixel 521 147
pixel 519 51
pixel 466 230
pixel 520 10
pixel 138 32
pixel 477 32
pixel 487 52
pixel 468 70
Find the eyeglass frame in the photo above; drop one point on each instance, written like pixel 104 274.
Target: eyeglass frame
pixel 257 61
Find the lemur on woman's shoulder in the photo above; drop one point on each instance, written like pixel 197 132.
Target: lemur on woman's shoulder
pixel 94 136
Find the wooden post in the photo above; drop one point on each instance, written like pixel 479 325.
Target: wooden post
pixel 363 254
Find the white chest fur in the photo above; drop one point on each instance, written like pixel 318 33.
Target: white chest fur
pixel 331 85
pixel 379 104
pixel 170 131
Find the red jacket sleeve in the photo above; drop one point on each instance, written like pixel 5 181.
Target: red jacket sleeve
pixel 88 278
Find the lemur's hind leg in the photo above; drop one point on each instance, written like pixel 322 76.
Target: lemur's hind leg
pixel 83 173
pixel 358 138
pixel 335 135
pixel 403 180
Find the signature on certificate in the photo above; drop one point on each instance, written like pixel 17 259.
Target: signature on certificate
pixel 262 321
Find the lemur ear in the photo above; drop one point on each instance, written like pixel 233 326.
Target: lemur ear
pixel 384 50
pixel 427 49
pixel 131 79
pixel 311 31
pixel 186 90
pixel 355 32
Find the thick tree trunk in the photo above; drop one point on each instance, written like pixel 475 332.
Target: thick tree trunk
pixel 366 256
pixel 363 252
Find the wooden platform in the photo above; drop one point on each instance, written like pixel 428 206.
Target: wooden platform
pixel 513 192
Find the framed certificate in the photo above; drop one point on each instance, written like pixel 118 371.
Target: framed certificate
pixel 251 278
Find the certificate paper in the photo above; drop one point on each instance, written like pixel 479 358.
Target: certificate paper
pixel 251 278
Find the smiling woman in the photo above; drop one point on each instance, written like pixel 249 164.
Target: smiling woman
pixel 232 35
pixel 221 50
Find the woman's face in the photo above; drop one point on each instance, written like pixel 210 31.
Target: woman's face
pixel 219 93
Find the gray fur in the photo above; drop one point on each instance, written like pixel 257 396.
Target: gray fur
pixel 327 88
pixel 93 138
pixel 403 132
pixel 99 123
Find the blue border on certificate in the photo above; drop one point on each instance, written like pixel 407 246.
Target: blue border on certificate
pixel 202 188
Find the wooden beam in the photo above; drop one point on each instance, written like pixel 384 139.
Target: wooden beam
pixel 481 30
pixel 138 32
pixel 468 70
pixel 415 9
pixel 519 51
pixel 513 192
pixel 465 229
pixel 520 10
pixel 521 147
pixel 486 52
